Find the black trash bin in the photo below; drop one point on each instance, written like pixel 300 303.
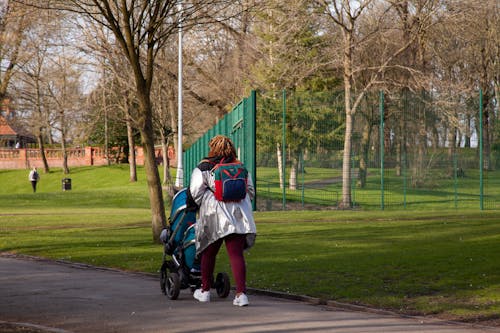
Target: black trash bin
pixel 66 184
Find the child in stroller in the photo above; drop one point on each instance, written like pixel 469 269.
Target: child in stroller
pixel 182 271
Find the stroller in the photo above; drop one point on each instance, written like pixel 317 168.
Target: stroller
pixel 182 271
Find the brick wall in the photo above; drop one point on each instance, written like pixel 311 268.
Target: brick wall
pixel 25 158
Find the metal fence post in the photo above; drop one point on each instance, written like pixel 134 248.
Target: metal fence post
pixel 283 162
pixel 353 181
pixel 303 178
pixel 405 181
pixel 455 177
pixel 381 109
pixel 481 184
pixel 251 136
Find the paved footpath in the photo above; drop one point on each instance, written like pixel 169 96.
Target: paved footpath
pixel 60 297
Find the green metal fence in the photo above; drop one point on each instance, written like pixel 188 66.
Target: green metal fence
pixel 306 131
pixel 239 125
pixel 408 151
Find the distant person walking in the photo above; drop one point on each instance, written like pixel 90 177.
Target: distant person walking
pixel 34 177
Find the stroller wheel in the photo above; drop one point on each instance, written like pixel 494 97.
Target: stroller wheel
pixel 163 280
pixel 173 285
pixel 222 285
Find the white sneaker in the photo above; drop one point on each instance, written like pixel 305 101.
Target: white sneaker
pixel 241 300
pixel 202 296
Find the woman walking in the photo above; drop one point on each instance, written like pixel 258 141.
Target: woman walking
pixel 34 177
pixel 221 221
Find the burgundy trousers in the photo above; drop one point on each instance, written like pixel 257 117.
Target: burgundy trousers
pixel 235 244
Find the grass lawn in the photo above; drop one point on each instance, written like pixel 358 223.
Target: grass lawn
pixel 434 262
pixel 437 190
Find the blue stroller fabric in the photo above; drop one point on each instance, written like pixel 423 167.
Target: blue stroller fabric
pixel 182 231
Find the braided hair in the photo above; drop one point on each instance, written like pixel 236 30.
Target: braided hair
pixel 221 146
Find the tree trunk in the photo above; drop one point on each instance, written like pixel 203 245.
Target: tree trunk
pixel 346 162
pixel 131 152
pixel 452 149
pixel 106 139
pixel 401 132
pixel 166 135
pixel 399 156
pixel 468 131
pixel 280 164
pixel 420 167
pixel 293 173
pixel 48 128
pixel 39 137
pixel 486 133
pixel 168 184
pixel 152 176
pixel 63 144
pixel 41 147
pixel 365 148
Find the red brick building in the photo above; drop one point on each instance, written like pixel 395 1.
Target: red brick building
pixel 11 134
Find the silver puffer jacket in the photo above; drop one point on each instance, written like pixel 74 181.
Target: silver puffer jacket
pixel 217 219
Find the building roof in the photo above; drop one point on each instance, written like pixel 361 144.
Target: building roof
pixel 9 128
pixel 5 128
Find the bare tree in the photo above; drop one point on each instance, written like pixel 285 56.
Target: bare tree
pixel 63 87
pixel 14 21
pixel 165 110
pixel 141 28
pixel 34 90
pixel 31 94
pixel 347 16
pixel 479 30
pixel 289 51
pixel 115 88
